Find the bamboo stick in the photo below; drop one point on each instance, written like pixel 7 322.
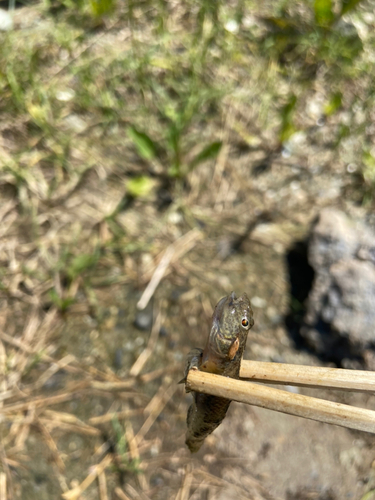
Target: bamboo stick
pixel 282 401
pixel 308 376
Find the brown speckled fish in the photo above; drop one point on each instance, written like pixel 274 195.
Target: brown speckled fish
pixel 231 321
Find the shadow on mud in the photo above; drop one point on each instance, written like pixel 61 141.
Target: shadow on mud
pixel 319 339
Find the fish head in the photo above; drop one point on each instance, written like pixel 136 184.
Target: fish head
pixel 231 322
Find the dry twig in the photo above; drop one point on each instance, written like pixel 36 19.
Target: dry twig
pixel 120 494
pixel 40 402
pixel 3 486
pixel 68 422
pixel 120 415
pixel 95 472
pixel 3 382
pixel 112 386
pixel 184 491
pixel 155 407
pixel 171 254
pixel 156 277
pixel 102 486
pixel 134 453
pixel 52 446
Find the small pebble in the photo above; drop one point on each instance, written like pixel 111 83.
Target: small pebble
pixel 231 26
pixel 286 152
pixel 65 95
pixel 75 123
pixel 154 450
pixel 175 218
pixel 117 362
pixel 57 381
pixel 6 21
pixel 143 320
pixel 163 332
pixel 156 481
pixel 139 341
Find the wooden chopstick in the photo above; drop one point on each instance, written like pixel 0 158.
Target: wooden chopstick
pixel 282 401
pixel 308 376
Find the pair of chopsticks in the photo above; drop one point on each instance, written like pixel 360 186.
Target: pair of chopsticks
pixel 287 402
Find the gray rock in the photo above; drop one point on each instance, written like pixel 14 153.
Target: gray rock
pixel 341 304
pixel 351 300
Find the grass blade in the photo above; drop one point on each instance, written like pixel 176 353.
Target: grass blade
pixel 207 153
pixel 144 144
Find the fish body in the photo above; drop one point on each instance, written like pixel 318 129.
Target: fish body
pixel 231 321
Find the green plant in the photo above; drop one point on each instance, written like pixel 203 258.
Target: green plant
pixel 172 148
pixel 101 7
pixel 122 448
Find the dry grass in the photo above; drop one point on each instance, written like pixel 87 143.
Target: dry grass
pixel 114 191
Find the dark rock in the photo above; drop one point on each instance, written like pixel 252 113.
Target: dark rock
pixel 341 306
pixel 56 381
pixel 163 332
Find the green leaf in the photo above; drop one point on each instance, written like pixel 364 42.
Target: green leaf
pixel 81 263
pixel 334 104
pixel 62 304
pixel 140 186
pixel 342 132
pixel 280 23
pixel 101 7
pixel 175 170
pixel 287 126
pixel 369 167
pixel 174 142
pixel 144 144
pixel 370 495
pixel 174 138
pixel 287 130
pixel 288 109
pixel 348 5
pixel 210 151
pixel 323 12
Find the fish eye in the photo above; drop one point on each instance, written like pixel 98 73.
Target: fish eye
pixel 245 323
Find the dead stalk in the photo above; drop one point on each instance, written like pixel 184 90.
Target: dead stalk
pixel 96 471
pixel 171 254
pixel 3 486
pixel 102 486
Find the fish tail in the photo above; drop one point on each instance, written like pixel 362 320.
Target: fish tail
pixel 194 444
